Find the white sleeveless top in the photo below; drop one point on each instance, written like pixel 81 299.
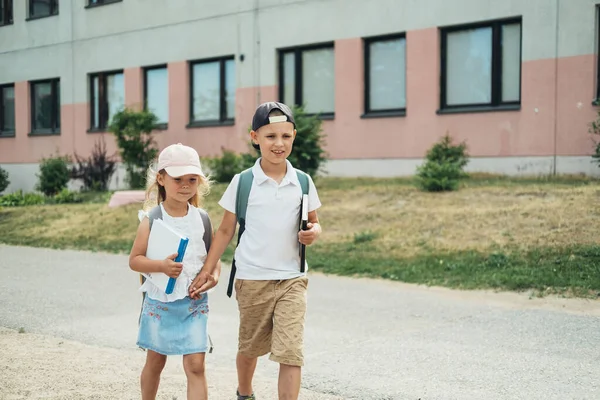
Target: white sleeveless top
pixel 191 226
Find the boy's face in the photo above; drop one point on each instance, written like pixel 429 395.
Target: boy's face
pixel 275 141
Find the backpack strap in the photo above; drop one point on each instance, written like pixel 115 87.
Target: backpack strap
pixel 303 179
pixel 241 205
pixel 207 229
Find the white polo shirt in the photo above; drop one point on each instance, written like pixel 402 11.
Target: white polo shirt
pixel 269 247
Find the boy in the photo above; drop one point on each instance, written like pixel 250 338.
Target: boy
pixel 270 287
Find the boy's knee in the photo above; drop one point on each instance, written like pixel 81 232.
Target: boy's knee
pixel 194 365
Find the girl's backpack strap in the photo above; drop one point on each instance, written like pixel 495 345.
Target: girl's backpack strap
pixel 207 229
pixel 154 213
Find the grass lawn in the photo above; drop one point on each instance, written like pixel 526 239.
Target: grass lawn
pixel 495 233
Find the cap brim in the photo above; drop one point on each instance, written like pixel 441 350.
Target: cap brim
pixel 176 172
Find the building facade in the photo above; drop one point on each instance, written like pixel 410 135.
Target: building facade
pixel 515 79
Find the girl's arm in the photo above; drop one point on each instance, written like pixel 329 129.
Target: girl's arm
pixel 209 275
pixel 140 263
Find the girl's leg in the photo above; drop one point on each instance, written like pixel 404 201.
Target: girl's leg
pixel 150 378
pixel 193 365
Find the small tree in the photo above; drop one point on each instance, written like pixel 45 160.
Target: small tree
pixel 595 131
pixel 96 170
pixel 54 175
pixel 136 145
pixel 4 182
pixel 308 154
pixel 443 169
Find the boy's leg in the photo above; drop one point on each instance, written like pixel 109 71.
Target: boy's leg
pixel 193 365
pixel 150 378
pixel 245 371
pixel 256 301
pixel 288 335
pixel 290 377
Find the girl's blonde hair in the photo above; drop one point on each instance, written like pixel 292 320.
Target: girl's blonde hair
pixel 156 194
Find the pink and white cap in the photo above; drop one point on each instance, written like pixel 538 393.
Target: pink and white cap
pixel 179 160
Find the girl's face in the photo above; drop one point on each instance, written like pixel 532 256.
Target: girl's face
pixel 180 189
pixel 275 141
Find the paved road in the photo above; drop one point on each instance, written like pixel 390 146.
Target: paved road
pixel 365 339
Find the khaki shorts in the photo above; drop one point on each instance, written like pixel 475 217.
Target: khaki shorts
pixel 272 317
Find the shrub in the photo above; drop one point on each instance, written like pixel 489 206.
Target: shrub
pixel 19 198
pixel 96 170
pixel 308 154
pixel 223 168
pixel 54 175
pixel 595 130
pixel 443 169
pixel 66 196
pixel 4 182
pixel 137 148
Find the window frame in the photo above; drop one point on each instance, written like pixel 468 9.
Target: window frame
pixel 223 120
pixel 6 132
pixel 54 9
pixel 392 112
pixel 7 17
pixel 298 74
pixel 160 125
pixel 496 103
pixel 103 103
pixel 55 129
pixel 101 3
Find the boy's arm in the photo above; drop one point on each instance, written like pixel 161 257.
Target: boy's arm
pixel 209 275
pixel 140 263
pixel 313 230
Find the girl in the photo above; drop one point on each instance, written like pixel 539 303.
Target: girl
pixel 173 324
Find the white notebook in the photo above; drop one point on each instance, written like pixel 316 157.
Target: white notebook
pixel 163 242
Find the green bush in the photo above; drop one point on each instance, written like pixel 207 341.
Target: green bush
pixel 595 130
pixel 19 198
pixel 308 154
pixel 223 168
pixel 4 182
pixel 137 148
pixel 444 167
pixel 54 175
pixel 66 196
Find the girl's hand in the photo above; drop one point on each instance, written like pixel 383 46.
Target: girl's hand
pixel 203 282
pixel 311 234
pixel 171 268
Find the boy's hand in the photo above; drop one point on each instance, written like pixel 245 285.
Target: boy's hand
pixel 171 268
pixel 202 283
pixel 311 234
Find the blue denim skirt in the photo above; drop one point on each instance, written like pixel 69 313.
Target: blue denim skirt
pixel 175 328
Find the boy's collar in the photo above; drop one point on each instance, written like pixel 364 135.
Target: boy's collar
pixel 261 177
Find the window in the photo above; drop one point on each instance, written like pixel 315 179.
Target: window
pixel 42 8
pixel 306 76
pixel 6 12
pixel 107 97
pixel 385 75
pixel 213 91
pixel 95 3
pixel 481 66
pixel 45 106
pixel 156 92
pixel 7 110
